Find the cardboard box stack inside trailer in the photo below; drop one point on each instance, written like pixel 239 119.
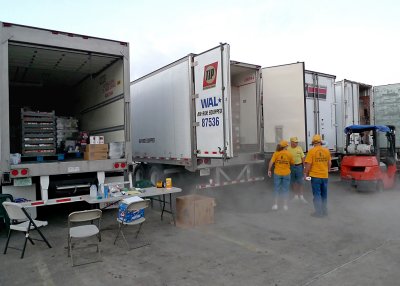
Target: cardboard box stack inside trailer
pixel 96 152
pixel 67 133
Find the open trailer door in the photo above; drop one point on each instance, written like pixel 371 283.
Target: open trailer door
pixel 213 103
pixel 283 104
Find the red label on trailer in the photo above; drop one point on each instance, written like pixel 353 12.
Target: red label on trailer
pixel 210 75
pixel 314 91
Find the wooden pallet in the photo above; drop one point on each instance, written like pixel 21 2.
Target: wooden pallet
pixel 43 158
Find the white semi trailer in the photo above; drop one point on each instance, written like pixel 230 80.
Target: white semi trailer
pixel 71 75
pixel 298 102
pixel 199 115
pixel 386 102
pixel 354 106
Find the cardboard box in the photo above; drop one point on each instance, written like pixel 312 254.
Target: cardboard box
pixel 96 148
pixel 193 210
pixel 129 216
pixel 95 156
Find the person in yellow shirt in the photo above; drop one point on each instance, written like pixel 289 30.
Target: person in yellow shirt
pixel 317 165
pixel 296 170
pixel 281 160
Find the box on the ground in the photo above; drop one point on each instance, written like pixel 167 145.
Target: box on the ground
pixel 193 210
pixel 95 156
pixel 98 148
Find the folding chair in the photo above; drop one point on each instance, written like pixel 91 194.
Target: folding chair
pixel 3 213
pixel 84 230
pixel 132 207
pixel 20 220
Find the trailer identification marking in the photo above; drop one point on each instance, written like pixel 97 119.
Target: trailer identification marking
pixel 210 102
pixel 210 121
pixel 147 140
pixel 20 182
pixel 210 75
pixel 73 169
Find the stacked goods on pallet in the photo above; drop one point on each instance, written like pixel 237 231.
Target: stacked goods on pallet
pixel 67 133
pixel 38 133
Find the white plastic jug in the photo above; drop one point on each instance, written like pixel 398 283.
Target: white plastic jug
pixel 93 191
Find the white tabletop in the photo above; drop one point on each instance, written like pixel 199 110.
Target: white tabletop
pixel 143 193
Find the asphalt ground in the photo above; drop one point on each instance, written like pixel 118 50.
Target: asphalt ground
pixel 249 244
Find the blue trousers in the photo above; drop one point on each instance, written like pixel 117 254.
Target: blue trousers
pixel 320 192
pixel 281 185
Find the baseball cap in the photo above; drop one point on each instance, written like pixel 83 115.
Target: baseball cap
pixel 316 138
pixel 294 139
pixel 283 143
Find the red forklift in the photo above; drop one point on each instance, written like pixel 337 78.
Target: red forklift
pixel 370 159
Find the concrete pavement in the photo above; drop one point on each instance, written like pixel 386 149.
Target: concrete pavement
pixel 249 244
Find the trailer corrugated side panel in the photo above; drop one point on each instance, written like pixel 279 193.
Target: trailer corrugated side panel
pixel 387 106
pixel 161 113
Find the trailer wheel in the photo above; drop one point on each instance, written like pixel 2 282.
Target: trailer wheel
pixel 139 173
pixel 156 174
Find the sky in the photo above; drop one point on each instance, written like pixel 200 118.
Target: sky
pixel 355 40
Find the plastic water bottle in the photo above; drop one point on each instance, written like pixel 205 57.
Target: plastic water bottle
pixel 106 192
pixel 93 191
pixel 100 191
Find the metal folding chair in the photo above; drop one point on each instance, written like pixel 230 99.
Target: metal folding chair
pixel 3 213
pixel 20 220
pixel 132 207
pixel 79 227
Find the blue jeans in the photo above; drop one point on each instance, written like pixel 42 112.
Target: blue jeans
pixel 281 185
pixel 320 192
pixel 296 173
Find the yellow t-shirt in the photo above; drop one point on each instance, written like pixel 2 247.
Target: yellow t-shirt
pixel 282 161
pixel 319 158
pixel 297 153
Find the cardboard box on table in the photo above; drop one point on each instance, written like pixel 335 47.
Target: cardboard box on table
pixel 194 210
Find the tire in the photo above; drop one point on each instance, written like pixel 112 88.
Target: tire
pixel 139 174
pixel 156 174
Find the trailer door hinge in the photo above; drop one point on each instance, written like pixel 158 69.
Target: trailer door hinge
pixel 194 96
pixel 195 63
pixel 195 124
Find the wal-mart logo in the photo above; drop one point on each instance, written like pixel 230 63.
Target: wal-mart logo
pixel 210 102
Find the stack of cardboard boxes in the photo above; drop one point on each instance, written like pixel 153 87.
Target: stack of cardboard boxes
pixel 96 152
